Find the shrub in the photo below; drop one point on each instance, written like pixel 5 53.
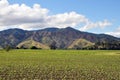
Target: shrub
pixel 7 48
pixel 33 47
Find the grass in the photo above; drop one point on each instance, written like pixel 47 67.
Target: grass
pixel 60 65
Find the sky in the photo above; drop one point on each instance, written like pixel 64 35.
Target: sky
pixel 96 16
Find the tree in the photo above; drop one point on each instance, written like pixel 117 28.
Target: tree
pixel 7 48
pixel 53 45
pixel 17 48
pixel 33 47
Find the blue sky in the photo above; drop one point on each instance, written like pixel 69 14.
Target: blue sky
pixel 98 16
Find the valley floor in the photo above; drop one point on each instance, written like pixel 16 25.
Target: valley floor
pixel 60 65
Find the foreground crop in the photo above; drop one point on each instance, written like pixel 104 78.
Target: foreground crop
pixel 59 64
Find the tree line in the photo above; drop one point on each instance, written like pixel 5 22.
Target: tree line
pixel 101 46
pixel 97 46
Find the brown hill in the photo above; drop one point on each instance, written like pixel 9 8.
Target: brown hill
pixel 80 43
pixel 30 43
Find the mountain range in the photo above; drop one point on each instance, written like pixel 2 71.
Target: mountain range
pixel 62 38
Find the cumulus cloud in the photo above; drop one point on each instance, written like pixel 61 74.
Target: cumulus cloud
pixel 115 33
pixel 66 19
pixel 58 20
pixel 36 17
pixel 90 25
pixel 18 15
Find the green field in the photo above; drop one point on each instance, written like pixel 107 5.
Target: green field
pixel 60 65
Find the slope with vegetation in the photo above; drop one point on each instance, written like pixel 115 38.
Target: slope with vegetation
pixel 31 43
pixel 80 44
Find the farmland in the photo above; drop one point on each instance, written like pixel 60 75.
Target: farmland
pixel 60 65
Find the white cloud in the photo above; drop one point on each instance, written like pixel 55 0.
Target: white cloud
pixel 36 17
pixel 66 19
pixel 17 15
pixel 90 25
pixel 115 33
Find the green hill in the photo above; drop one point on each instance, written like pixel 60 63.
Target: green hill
pixel 29 43
pixel 80 43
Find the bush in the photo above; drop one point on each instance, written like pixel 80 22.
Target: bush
pixel 33 47
pixel 53 45
pixel 7 48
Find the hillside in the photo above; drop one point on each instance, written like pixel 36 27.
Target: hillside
pixel 13 37
pixel 62 38
pixel 80 43
pixel 29 43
